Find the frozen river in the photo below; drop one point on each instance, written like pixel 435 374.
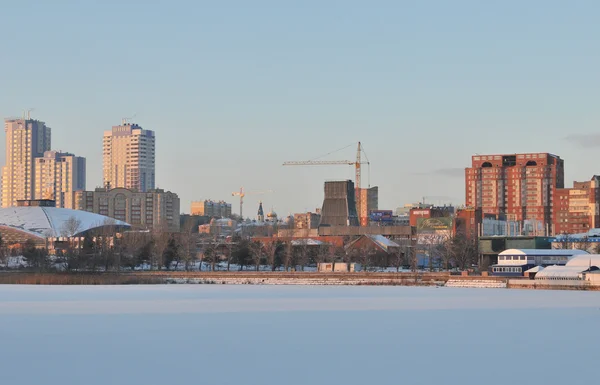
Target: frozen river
pixel 204 334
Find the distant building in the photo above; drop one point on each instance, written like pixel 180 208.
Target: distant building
pixel 306 220
pixel 129 158
pixel 219 227
pixel 209 208
pixel 339 205
pixel 57 176
pixel 577 209
pixel 518 186
pixel 467 222
pixel 370 196
pixel 36 203
pixel 430 212
pixel 26 139
pixel 155 209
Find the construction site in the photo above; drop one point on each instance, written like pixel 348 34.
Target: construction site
pixel 348 209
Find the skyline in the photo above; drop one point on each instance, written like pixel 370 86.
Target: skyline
pixel 250 87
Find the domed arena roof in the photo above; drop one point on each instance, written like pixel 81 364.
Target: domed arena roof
pixel 47 222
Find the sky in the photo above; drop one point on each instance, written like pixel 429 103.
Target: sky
pixel 235 88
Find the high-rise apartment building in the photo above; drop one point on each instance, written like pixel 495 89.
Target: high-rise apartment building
pixel 153 210
pixel 57 176
pixel 515 187
pixel 128 157
pixel 26 139
pixel 220 209
pixel 577 209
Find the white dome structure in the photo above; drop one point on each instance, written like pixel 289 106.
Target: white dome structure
pixel 18 224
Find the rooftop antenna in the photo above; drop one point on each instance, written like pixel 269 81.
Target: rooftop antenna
pixel 27 113
pixel 124 121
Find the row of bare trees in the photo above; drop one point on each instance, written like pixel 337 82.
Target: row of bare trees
pixel 102 250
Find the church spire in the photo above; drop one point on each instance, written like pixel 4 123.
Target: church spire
pixel 261 213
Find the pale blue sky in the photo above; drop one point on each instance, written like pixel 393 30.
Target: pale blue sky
pixel 234 88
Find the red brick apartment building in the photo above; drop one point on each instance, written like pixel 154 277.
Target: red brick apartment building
pixel 515 186
pixel 577 209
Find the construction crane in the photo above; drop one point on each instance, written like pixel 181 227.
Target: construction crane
pixel 356 163
pixel 242 194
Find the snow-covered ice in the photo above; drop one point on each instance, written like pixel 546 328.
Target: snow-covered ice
pixel 205 334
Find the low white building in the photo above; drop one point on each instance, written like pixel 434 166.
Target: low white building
pixel 578 268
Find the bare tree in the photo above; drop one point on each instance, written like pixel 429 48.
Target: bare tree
pixel 210 253
pixel 398 257
pixel 270 249
pixel 301 253
pixel 241 253
pixel 462 250
pixel 256 250
pixel 187 243
pixel 323 253
pixel 160 240
pixel 70 227
pixel 287 255
pixel 565 242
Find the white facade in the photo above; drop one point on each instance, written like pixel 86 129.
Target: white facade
pixel 26 139
pixel 129 158
pixel 520 257
pixel 46 222
pixel 57 176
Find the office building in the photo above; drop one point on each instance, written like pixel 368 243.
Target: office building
pixel 515 187
pixel 152 210
pixel 26 139
pixel 220 209
pixel 577 209
pixel 57 176
pixel 129 158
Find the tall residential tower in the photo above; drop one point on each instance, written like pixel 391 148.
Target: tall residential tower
pixel 517 187
pixel 129 157
pixel 57 176
pixel 26 139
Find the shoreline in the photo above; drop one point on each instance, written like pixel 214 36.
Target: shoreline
pixel 442 279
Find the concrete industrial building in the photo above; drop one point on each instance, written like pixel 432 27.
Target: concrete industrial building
pixel 129 158
pixel 577 209
pixel 339 205
pixel 516 187
pixel 209 208
pixel 153 210
pixel 26 139
pixel 57 176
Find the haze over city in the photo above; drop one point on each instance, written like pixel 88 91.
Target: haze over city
pixel 233 90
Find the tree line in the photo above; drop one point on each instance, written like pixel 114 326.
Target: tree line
pixel 102 250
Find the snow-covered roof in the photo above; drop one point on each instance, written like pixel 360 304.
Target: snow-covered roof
pixel 560 272
pixel 307 242
pixel 45 222
pixel 535 269
pixel 549 252
pixel 584 261
pixel 383 242
pixel 379 240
